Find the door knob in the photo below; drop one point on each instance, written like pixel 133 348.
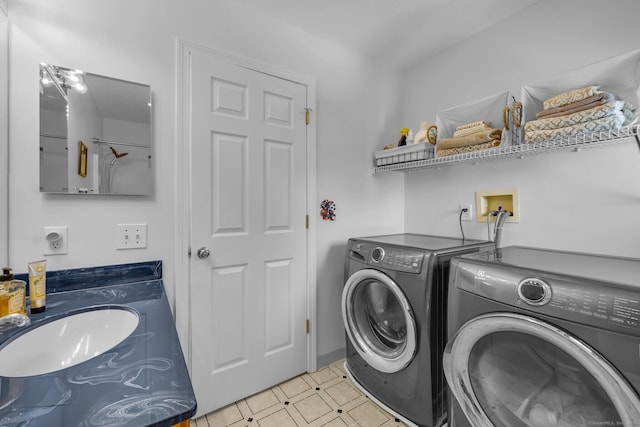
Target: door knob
pixel 204 252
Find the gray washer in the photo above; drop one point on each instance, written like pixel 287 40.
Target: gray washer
pixel 393 307
pixel 543 337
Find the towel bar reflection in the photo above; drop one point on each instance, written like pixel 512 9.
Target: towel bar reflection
pixel 126 144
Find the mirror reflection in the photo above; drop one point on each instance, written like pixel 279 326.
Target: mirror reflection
pixel 95 134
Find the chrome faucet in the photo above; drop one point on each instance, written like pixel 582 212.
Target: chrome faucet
pixel 501 217
pixel 14 320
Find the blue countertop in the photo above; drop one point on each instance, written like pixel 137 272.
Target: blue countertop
pixel 143 381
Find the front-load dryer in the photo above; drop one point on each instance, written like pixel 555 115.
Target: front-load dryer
pixel 393 307
pixel 543 338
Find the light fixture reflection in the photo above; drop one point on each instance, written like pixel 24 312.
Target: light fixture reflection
pixel 62 78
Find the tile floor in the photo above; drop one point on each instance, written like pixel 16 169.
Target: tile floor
pixel 323 398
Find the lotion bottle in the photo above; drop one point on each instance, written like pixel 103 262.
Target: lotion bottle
pixel 38 286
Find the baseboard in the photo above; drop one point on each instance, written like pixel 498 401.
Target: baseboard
pixel 329 358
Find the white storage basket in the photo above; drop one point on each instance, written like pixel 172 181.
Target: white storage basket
pixel 406 153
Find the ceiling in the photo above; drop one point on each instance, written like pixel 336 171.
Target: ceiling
pixel 400 31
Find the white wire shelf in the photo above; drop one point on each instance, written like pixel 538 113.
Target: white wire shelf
pixel 572 143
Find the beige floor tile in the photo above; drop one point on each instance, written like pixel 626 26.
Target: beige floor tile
pixel 225 416
pixel 199 422
pixel 339 367
pixel 244 408
pixel 336 422
pixel 294 387
pixel 343 393
pixel 312 408
pixel 326 398
pixel 261 401
pixel 280 418
pixel 323 375
pixel 369 415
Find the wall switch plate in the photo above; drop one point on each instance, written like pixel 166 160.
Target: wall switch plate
pixel 131 236
pixel 466 216
pixel 55 240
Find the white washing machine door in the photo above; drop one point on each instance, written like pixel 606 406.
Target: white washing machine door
pixel 507 369
pixel 379 321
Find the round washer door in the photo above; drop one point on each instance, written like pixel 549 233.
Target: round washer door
pixel 507 369
pixel 379 321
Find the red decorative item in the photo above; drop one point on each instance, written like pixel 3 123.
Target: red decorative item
pixel 328 210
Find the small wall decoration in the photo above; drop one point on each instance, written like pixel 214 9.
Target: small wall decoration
pixel 328 210
pixel 82 159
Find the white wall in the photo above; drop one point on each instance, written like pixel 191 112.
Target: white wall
pixel 585 201
pixel 4 132
pixel 137 41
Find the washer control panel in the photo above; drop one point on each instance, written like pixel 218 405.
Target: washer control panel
pixel 534 291
pixel 619 309
pixel 390 258
pixel 575 299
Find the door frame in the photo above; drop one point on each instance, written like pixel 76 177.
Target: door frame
pixel 182 229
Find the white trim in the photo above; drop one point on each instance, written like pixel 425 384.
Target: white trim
pixel 182 300
pixel 5 39
pixel 183 195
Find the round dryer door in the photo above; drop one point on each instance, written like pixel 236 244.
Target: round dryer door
pixel 506 369
pixel 379 320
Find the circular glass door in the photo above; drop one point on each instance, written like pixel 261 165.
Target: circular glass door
pixel 379 320
pixel 510 370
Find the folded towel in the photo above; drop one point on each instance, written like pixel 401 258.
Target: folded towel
pixel 470 128
pixel 570 96
pixel 459 150
pixel 583 116
pixel 584 104
pixel 473 139
pixel 472 124
pixel 608 123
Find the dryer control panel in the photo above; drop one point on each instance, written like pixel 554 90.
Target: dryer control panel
pixel 389 257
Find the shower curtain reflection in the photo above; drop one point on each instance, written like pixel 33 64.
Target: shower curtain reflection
pixel 109 161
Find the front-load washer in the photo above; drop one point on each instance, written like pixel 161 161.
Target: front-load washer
pixel 543 338
pixel 393 307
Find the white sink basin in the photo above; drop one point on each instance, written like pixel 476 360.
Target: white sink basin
pixel 66 342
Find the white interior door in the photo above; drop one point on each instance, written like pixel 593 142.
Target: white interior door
pixel 248 180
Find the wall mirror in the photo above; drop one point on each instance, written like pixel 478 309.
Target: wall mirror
pixel 95 134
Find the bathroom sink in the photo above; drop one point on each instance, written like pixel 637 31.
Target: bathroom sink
pixel 66 341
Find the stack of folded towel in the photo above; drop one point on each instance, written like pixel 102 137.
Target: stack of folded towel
pixel 469 137
pixel 579 111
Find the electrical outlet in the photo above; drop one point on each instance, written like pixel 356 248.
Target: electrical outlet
pixel 55 240
pixel 131 236
pixel 466 216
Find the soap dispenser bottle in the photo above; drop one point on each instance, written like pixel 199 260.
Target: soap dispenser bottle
pixel 13 296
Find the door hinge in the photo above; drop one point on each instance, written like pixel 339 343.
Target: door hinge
pixel 189 252
pixel 306 219
pixel 306 115
pixel 308 326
